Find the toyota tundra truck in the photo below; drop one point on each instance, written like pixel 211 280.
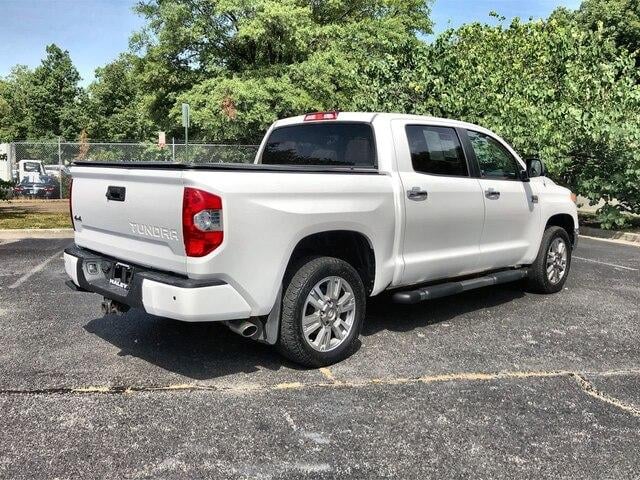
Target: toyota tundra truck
pixel 337 207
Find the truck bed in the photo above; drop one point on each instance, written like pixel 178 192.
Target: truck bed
pixel 266 211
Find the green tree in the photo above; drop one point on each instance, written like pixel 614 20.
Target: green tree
pixel 55 97
pixel 244 64
pixel 115 104
pixel 16 91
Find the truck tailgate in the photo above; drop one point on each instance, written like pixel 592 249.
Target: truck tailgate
pixel 131 214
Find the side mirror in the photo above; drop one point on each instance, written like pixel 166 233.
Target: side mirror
pixel 535 168
pixel 524 176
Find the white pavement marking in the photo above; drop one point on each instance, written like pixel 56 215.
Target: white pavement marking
pixel 605 263
pixel 35 270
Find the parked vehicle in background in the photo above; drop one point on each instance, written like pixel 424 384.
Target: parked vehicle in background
pixel 57 171
pixel 336 208
pixel 31 169
pixel 47 187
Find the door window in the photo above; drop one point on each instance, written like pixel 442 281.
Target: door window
pixel 494 160
pixel 436 150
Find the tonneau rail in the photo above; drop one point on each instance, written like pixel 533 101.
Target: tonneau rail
pixel 250 167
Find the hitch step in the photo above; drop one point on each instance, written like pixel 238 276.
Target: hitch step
pixel 451 288
pixel 111 306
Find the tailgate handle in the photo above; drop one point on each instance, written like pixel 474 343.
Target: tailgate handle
pixel 116 194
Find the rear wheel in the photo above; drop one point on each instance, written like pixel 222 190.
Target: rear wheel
pixel 549 271
pixel 323 308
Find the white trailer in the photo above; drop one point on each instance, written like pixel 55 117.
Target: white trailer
pixel 5 165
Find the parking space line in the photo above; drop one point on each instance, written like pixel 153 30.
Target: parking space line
pixel 328 374
pixel 357 383
pixel 588 388
pixel 605 263
pixel 34 270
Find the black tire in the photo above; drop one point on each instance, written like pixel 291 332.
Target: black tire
pixel 301 280
pixel 538 281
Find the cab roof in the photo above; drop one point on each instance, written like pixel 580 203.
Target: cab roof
pixel 369 117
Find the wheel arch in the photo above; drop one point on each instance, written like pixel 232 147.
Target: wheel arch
pixel 564 221
pixel 352 246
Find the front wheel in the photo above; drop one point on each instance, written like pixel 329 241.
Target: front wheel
pixel 323 307
pixel 549 271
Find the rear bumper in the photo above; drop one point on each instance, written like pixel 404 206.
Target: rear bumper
pixel 158 293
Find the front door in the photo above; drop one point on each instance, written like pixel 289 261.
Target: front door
pixel 511 216
pixel 443 202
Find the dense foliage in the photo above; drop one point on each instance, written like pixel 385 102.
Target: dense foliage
pixel 568 95
pixel 620 18
pixel 566 89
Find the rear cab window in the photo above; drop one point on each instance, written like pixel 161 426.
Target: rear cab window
pixel 335 144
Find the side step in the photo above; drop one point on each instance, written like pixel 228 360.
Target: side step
pixel 451 288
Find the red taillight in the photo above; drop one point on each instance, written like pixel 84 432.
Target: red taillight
pixel 320 116
pixel 201 222
pixel 70 205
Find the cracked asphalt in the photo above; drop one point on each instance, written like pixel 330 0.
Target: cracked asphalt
pixel 494 383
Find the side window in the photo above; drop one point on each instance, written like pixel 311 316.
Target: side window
pixel 436 150
pixel 493 159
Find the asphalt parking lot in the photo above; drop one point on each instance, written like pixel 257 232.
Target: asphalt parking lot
pixel 495 383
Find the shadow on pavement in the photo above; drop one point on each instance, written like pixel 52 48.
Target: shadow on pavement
pixel 383 314
pixel 201 351
pixel 204 351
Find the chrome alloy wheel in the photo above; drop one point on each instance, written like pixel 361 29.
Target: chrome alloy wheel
pixel 328 314
pixel 556 260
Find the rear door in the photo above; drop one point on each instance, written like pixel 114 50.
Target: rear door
pixel 132 214
pixel 511 216
pixel 444 209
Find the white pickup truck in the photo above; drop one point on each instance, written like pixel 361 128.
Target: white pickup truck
pixel 337 207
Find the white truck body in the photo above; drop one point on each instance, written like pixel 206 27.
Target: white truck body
pixel 460 228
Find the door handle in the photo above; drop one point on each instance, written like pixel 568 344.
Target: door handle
pixel 492 193
pixel 417 194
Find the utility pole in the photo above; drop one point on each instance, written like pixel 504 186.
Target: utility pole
pixel 60 165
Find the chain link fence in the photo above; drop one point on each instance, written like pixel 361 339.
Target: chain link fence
pixel 22 159
pixel 65 153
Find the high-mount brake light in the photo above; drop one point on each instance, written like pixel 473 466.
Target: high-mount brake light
pixel 201 222
pixel 320 116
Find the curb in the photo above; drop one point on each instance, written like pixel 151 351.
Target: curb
pixel 21 233
pixel 611 235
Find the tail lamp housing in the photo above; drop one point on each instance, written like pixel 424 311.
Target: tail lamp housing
pixel 201 222
pixel 70 204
